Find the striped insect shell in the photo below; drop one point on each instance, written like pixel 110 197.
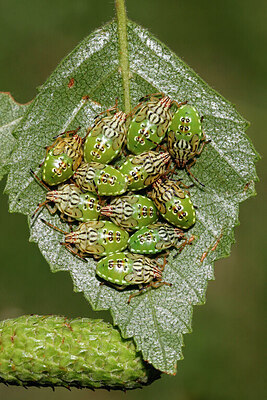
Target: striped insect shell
pixel 104 140
pixel 144 169
pixel 173 203
pixel 131 211
pixel 104 180
pixel 124 269
pixel 185 135
pixel 155 238
pixel 72 202
pixel 149 124
pixel 98 238
pixel 57 169
pixel 63 158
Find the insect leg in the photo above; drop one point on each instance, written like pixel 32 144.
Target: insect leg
pixel 187 168
pixel 75 253
pixel 39 180
pixel 72 132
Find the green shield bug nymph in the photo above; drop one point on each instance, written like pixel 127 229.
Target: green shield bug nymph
pixel 63 158
pixel 131 211
pixel 71 202
pixel 173 203
pixel 155 238
pixel 104 180
pixel 104 140
pixel 186 138
pixel 94 237
pixel 144 169
pixel 149 124
pixel 125 269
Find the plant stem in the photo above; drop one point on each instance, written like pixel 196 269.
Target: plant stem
pixel 123 52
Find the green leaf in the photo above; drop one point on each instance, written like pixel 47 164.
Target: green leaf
pixel 158 318
pixel 10 116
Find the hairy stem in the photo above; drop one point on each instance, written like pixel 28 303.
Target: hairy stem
pixel 123 52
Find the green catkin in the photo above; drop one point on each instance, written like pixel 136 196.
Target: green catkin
pixel 56 351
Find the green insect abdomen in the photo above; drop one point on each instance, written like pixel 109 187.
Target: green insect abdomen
pixel 174 204
pixel 154 238
pixel 98 237
pixel 149 125
pixel 144 169
pixel 126 269
pixel 57 169
pixel 131 212
pixel 102 179
pixel 71 145
pixel 89 206
pixel 184 135
pixel 62 159
pixel 71 201
pixel 105 139
pixel 144 241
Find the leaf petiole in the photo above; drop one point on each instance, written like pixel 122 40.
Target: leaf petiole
pixel 123 52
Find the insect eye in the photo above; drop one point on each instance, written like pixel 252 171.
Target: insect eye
pixel 186 128
pixel 188 120
pixel 179 208
pixel 182 119
pixel 181 128
pixel 184 214
pixel 175 210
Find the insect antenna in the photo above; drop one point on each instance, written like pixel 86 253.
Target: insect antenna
pixel 193 176
pixel 39 207
pixel 72 132
pixel 180 104
pixel 53 226
pixel 115 107
pixel 76 254
pixel 39 180
pixel 159 94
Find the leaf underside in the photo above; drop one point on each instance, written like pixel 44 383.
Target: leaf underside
pixel 158 318
pixel 10 116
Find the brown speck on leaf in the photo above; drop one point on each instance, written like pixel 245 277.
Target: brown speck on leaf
pixel 71 83
pixel 12 337
pixel 68 326
pixel 246 186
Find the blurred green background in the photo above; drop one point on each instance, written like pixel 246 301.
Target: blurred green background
pixel 225 43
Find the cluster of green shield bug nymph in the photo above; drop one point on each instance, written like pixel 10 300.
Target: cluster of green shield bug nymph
pixel 115 187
